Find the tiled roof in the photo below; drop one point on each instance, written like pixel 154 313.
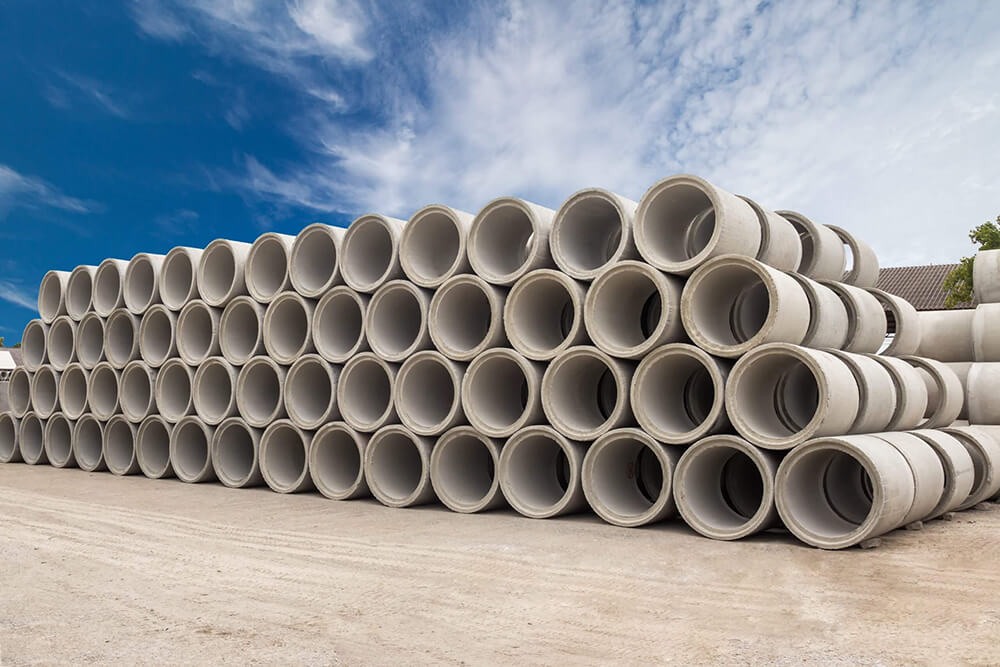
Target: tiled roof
pixel 920 285
pixel 14 352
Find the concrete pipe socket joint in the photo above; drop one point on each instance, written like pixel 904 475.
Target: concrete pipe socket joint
pixel 19 392
pixel 427 393
pixel 10 451
pixel 627 478
pixel 928 474
pixel 947 335
pixel 141 287
pixel 179 277
pixel 397 467
pixel 780 246
pixel 235 454
pixel 31 439
pixel 986 276
pixel 780 395
pixel 981 444
pixel 284 457
pixel 733 304
pixel 52 295
pixel 863 269
pixel 678 394
pixel 45 392
pixel 982 386
pixel 88 443
pixel 337 462
pixel 959 471
pixel 866 320
pixel 433 245
pixel 34 348
pixel 585 393
pixel 173 390
pixel 466 317
pixel 338 325
pixel 311 392
pixel 73 391
pixel 314 261
pixel 221 270
pixel 158 335
pixel 108 293
pixel 137 393
pixel 80 292
pixel 683 221
pixel 823 255
pixel 985 324
pixel 543 315
pixel 241 330
pixel 945 394
pixel 152 447
pixel 121 338
pixel 632 308
pixel 61 342
pixel 591 231
pixel 835 493
pixel 59 441
pixel 540 473
pixel 510 237
pixel 501 393
pixel 119 446
pixel 828 322
pixel 905 323
pixel 214 391
pixel 464 465
pixel 191 450
pixel 260 390
pixel 396 321
pixel 288 327
pixel 265 272
pixel 962 369
pixel 198 332
pixel 876 392
pixel 369 252
pixel 364 392
pixel 90 340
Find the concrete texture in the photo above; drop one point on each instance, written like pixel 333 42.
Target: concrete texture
pixel 823 255
pixel 283 456
pixel 314 261
pixel 108 294
pixel 466 317
pixel 45 391
pixel 10 451
pixel 876 392
pixel 173 390
pixel 397 467
pixel 585 393
pixel 80 292
pixel 510 237
pixel 235 454
pixel 34 350
pixel 152 447
pixel 396 320
pixel 981 388
pixel 121 338
pixel 310 392
pixel 336 462
pixel 58 436
pixel 241 330
pixel 137 392
pixel 141 285
pixel 780 246
pixel 364 392
pixel 88 444
pixel 945 393
pixel 946 335
pixel 158 335
pixel 214 390
pixel 90 340
pixel 369 252
pixel 191 450
pixel 427 393
pixel 179 277
pixel 260 391
pixel 19 392
pixel 198 332
pixel 981 444
pixel 501 393
pixel 985 324
pixel 591 231
pixel 464 471
pixel 540 473
pixel 986 276
pixel 928 474
pixel 265 271
pixel 543 316
pixel 866 320
pixel 119 446
pixel 52 295
pixel 863 271
pixel 338 325
pixel 30 439
pixel 288 327
pixel 911 393
pixel 221 271
pixel 959 472
pixel 60 342
pixel 434 245
pixel 906 339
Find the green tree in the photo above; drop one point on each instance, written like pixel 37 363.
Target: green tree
pixel 957 285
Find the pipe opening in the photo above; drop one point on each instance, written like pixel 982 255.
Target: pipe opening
pixel 136 391
pixel 627 477
pixel 314 259
pixel 59 441
pixel 120 339
pixel 174 395
pixel 464 316
pixel 218 273
pixel 79 293
pixel 338 325
pixel 177 276
pixel 190 450
pixel 50 297
pixel 396 469
pixel 397 321
pixel 267 267
pixel 778 395
pixel 107 288
pixel 32 439
pixel 196 332
pixel 538 472
pixel 285 456
pixel 369 251
pixel 73 394
pixel 235 452
pixel 732 304
pixel 807 241
pixel 627 309
pixel 103 393
pixel 88 443
pixel 542 313
pixel 288 330
pixel 367 393
pixel 19 391
pixel 45 391
pixel 119 445
pixel 504 239
pixel 426 393
pixel 60 342
pixel 214 391
pixel 140 283
pixel 676 394
pixel 241 330
pixel 980 464
pixel 584 393
pixel 309 391
pixel 90 341
pixel 466 472
pixel 723 487
pixel 433 244
pixel 590 233
pixel 337 464
pixel 8 437
pixel 260 394
pixel 828 493
pixel 154 447
pixel 156 335
pixel 680 222
pixel 33 344
pixel 498 392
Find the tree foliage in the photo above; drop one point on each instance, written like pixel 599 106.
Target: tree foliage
pixel 958 285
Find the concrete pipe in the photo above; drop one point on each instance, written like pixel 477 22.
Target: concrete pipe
pixel 369 252
pixel 632 308
pixel 121 338
pixel 197 332
pixel 585 393
pixel 34 350
pixel 10 451
pixel 88 443
pixel 240 330
pixel 591 231
pixel 364 392
pixel 678 394
pixel 928 474
pixel 221 272
pixel 19 392
pixel 780 246
pixel 986 276
pixel 191 450
pixel 214 391
pixel 52 295
pixel 108 293
pixel 80 292
pixel 866 320
pixel 683 221
pixel 60 343
pixel 179 277
pixel 314 261
pixel 45 391
pixel 911 393
pixel 627 478
pixel 90 340
pixel 288 327
pixel 260 391
pixel 510 237
pixel 396 320
pixel 985 324
pixel 947 335
pixel 119 446
pixel 158 335
pixel 73 391
pixel 397 467
pixel 981 444
pixel 152 447
pixel 780 395
pixel 876 392
pixel 905 323
pixel 733 304
pixel 137 395
pixel 235 454
pixel 428 393
pixel 173 390
pixel 823 256
pixel 58 437
pixel 959 472
pixel 433 245
pixel 945 394
pixel 284 457
pixel 834 493
pixel 540 473
pixel 31 439
pixel 724 487
pixel 962 370
pixel 501 393
pixel 982 386
pixel 266 270
pixel 464 466
pixel 337 462
pixel 141 287
pixel 543 315
pixel 311 392
pixel 863 266
pixel 338 325
pixel 466 317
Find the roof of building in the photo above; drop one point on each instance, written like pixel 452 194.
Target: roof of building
pixel 920 285
pixel 8 361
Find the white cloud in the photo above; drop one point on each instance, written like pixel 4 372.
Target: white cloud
pixel 93 91
pixel 17 190
pixel 17 295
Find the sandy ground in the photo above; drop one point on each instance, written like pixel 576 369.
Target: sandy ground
pixel 97 569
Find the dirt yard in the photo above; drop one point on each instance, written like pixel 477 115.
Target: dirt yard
pixel 95 568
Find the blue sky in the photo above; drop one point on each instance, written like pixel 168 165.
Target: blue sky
pixel 138 126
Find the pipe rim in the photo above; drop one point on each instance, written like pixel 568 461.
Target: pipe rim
pixel 10 451
pixel 404 402
pixel 268 467
pixel 474 406
pixel 137 295
pixel 441 307
pixel 52 296
pixel 108 290
pixel 512 315
pixel 457 500
pixel 339 351
pixel 611 370
pixel 344 487
pixel 45 379
pixel 90 341
pixel 361 279
pixel 90 459
pixel 179 277
pixel 891 304
pixel 811 236
pixel 167 407
pixel 60 351
pixel 143 448
pixel 153 350
pixel 119 426
pixel 943 414
pixel 219 273
pixel 206 406
pixel 420 275
pixel 250 414
pixel 905 402
pixel 31 432
pixel 199 314
pixel 33 346
pixel 71 407
pixel 316 245
pixel 180 452
pixel 19 387
pixel 564 225
pixel 121 331
pixel 946 446
pixel 222 451
pixel 233 322
pixel 80 291
pixel 259 268
pixel 514 493
pixel 303 370
pixel 143 393
pixel 61 457
pixel 493 271
pixel 984 472
pixel 374 317
pixel 276 320
pixel 377 483
pixel 347 400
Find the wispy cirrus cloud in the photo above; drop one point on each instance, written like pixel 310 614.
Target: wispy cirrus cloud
pixel 20 191
pixel 67 86
pixel 18 295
